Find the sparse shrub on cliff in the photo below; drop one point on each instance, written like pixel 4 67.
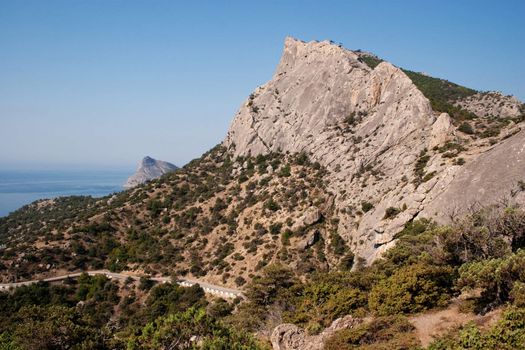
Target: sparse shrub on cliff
pixel 272 205
pixel 466 128
pixel 391 212
pixel 366 206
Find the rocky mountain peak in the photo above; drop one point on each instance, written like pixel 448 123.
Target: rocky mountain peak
pixel 372 128
pixel 297 52
pixel 147 161
pixel 147 170
pixel 318 85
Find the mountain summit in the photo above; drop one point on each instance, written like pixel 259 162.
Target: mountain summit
pixel 147 170
pixel 394 141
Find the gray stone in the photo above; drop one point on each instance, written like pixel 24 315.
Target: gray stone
pixel 306 106
pixel 290 337
pixel 147 170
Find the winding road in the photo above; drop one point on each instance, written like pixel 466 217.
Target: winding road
pixel 207 287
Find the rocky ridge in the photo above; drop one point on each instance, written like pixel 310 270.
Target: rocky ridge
pixel 387 150
pixel 492 104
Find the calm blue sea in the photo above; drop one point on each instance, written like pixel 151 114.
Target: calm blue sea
pixel 20 187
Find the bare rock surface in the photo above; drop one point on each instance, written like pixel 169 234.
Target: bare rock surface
pixel 309 217
pixel 497 176
pixel 147 170
pixel 373 129
pixel 290 337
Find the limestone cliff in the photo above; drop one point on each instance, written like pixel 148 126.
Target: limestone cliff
pixel 389 154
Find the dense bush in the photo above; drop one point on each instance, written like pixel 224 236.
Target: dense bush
pixel 466 128
pixel 321 302
pixel 371 61
pixel 484 234
pixel 495 278
pixel 412 288
pixel 390 212
pixel 366 206
pixel 180 331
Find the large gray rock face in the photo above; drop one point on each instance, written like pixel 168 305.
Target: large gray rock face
pixel 369 127
pixel 497 176
pixel 147 170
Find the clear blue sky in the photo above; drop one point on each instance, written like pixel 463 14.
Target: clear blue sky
pixel 101 82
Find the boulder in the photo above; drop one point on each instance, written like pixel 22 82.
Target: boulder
pixel 290 337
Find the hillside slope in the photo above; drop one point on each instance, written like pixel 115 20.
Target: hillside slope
pixel 321 168
pixel 383 133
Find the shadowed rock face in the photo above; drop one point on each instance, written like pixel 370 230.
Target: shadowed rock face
pixel 147 170
pixel 370 127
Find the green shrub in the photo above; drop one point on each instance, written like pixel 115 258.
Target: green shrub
pixel 285 171
pixel 442 94
pixel 351 120
pixel 177 331
pixel 428 176
pixel 272 205
pixel 323 302
pixel 419 167
pixel 466 128
pixel 517 294
pixel 366 206
pixel 485 234
pixel 370 61
pixel 391 212
pixel 338 244
pixel 146 283
pixel 412 288
pixel 494 277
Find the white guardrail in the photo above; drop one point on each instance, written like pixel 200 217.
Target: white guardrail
pixel 207 287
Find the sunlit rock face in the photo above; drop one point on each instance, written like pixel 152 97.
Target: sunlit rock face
pixel 372 128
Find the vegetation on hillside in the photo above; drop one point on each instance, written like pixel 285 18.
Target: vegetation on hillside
pixel 428 266
pixel 482 255
pixel 189 222
pixel 441 93
pixel 445 97
pixel 80 314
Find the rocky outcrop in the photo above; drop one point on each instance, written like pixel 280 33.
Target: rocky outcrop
pixel 354 120
pixel 290 337
pixel 492 104
pixel 372 129
pixel 310 216
pixel 442 131
pixel 495 177
pixel 147 170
